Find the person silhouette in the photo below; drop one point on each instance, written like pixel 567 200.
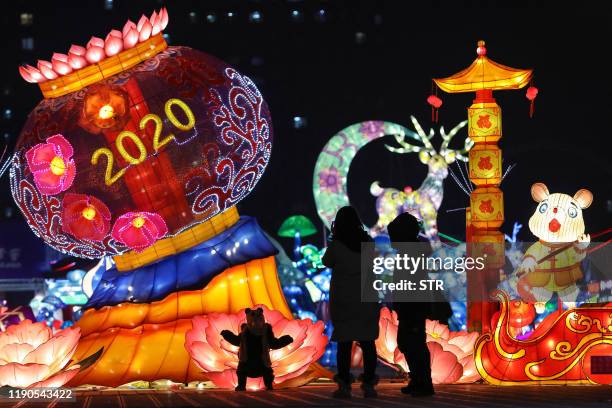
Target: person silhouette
pixel 352 319
pixel 411 337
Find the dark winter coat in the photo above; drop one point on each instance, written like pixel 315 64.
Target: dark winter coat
pixel 352 319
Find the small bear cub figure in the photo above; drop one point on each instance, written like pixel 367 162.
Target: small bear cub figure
pixel 255 341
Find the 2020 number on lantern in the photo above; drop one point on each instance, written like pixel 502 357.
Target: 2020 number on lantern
pixel 109 177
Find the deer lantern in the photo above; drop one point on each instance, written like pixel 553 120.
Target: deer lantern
pixel 424 202
pixel 332 168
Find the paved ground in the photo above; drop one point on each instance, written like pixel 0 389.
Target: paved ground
pixel 455 396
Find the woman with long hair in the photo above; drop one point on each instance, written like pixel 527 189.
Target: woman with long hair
pixel 353 320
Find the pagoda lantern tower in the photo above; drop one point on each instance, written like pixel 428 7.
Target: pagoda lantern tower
pixel 486 212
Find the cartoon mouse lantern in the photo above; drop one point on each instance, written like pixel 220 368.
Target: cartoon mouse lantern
pixel 553 263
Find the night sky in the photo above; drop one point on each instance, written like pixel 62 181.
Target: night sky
pixel 318 67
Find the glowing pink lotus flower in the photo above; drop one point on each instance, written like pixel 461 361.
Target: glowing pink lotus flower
pixel 163 18
pixel 52 165
pixel 386 343
pixel 129 25
pixel 139 230
pixel 130 38
pixel 85 217
pixel 31 74
pixel 114 33
pixel 97 48
pixel 155 21
pixel 60 64
pixel 95 42
pixel 436 330
pixel 452 359
pixel 77 50
pixel 46 68
pixel 144 28
pixel 31 356
pixel 219 359
pixel 76 56
pixel 113 44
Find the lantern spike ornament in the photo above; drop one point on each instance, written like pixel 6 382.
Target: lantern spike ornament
pixel 140 152
pixel 486 213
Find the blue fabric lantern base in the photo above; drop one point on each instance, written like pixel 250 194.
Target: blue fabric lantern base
pixel 188 270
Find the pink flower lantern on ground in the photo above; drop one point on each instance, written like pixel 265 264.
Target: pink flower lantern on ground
pixel 219 359
pixel 452 353
pixel 31 356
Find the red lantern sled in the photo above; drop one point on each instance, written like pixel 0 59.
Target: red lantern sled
pixel 567 348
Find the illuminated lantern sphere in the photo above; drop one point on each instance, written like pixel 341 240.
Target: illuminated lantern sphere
pixel 141 144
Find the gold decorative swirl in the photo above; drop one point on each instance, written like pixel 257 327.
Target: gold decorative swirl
pixel 564 350
pixel 575 322
pixel 478 359
pixel 498 328
pixel 577 359
pixel 586 322
pixel 580 321
pixel 601 329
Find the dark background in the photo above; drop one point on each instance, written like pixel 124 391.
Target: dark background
pixel 365 60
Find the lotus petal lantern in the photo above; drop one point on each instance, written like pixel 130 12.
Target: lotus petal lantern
pixel 32 356
pixel 219 359
pixel 451 353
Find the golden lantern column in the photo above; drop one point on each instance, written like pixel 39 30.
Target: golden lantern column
pixel 486 213
pixel 486 205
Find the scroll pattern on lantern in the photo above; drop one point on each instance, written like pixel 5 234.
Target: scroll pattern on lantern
pixel 244 137
pixel 194 138
pixel 558 352
pixel 44 216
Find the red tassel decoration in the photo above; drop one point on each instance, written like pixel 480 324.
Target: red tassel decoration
pixel 532 93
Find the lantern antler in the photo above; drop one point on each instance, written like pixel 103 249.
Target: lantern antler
pixel 451 155
pixel 419 135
